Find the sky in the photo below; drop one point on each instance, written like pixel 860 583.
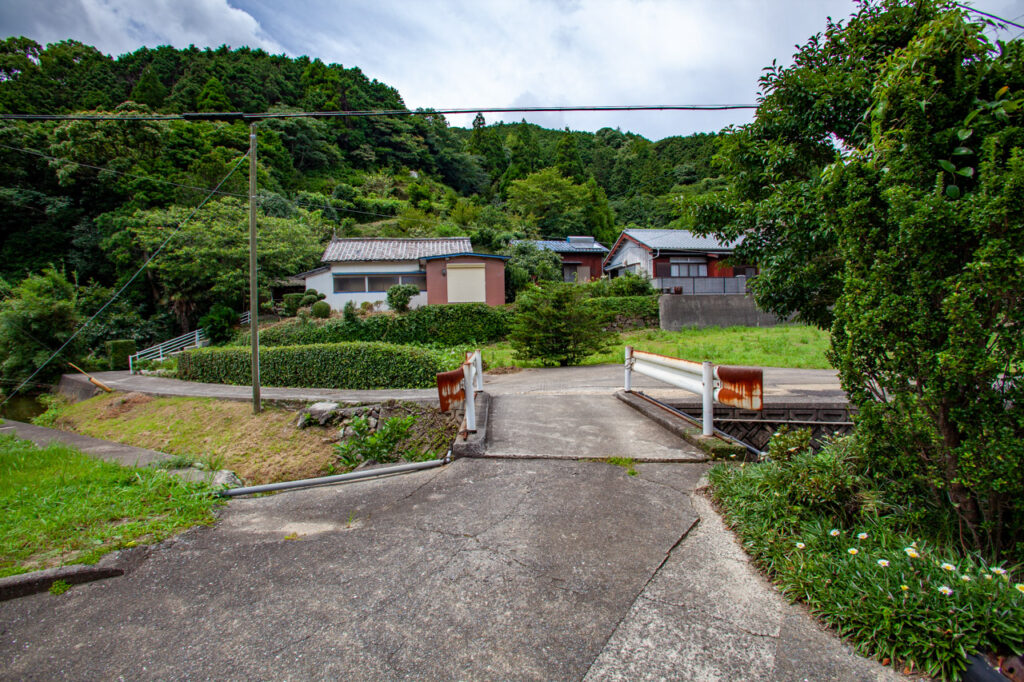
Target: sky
pixel 492 53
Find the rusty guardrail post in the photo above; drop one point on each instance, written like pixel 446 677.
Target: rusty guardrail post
pixel 629 369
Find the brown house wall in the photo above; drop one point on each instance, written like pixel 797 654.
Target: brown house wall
pixel 594 260
pixel 494 279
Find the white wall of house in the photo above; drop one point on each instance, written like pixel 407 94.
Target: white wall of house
pixel 632 254
pixel 324 282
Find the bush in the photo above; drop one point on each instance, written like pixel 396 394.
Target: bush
pixel 315 293
pixel 349 313
pixel 400 295
pixel 218 323
pixel 291 303
pixel 336 365
pixel 321 310
pixel 379 446
pixel 447 325
pixel 809 522
pixel 118 351
pixel 626 284
pixel 554 326
pixel 620 313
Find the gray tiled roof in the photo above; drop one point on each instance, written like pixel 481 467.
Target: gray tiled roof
pixel 342 250
pixel 561 246
pixel 679 240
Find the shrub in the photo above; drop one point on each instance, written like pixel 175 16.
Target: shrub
pixel 308 299
pixel 118 351
pixel 448 325
pixel 321 310
pixel 349 313
pixel 620 313
pixel 218 322
pixel 317 294
pixel 379 446
pixel 400 295
pixel 894 595
pixel 626 284
pixel 336 365
pixel 291 303
pixel 552 325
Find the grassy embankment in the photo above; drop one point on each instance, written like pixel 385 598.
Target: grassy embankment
pixel 795 346
pixel 63 507
pixel 219 433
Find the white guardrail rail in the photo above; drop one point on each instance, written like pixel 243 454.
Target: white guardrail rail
pixel 176 345
pixel 736 386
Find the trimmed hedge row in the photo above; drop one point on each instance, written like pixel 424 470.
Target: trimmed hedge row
pixel 335 365
pixel 446 325
pixel 626 312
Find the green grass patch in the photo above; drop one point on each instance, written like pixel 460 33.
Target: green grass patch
pixel 624 462
pixel 794 346
pixel 910 601
pixel 59 506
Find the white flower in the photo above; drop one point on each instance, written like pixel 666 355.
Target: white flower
pixel 884 563
pixel 945 590
pixel 862 536
pixel 948 567
pixel 987 576
pixel 800 545
pixel 911 552
pixel 834 532
pixel 965 578
pixel 905 588
pixel 999 571
pixel 853 550
pixel 1020 587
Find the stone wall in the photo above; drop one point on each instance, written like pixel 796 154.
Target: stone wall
pixel 723 310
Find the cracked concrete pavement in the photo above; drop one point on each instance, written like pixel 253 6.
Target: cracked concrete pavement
pixel 501 568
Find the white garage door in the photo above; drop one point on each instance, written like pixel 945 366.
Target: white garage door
pixel 467 283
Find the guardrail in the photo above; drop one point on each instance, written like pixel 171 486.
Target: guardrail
pixel 160 351
pixel 741 387
pixel 179 343
pixel 461 386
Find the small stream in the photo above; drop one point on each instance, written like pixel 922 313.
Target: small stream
pixel 22 408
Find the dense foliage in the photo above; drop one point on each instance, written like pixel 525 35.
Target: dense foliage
pixel 447 325
pixel 907 241
pixel 553 324
pixel 336 365
pixel 823 532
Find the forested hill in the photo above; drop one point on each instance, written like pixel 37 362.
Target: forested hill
pixel 385 175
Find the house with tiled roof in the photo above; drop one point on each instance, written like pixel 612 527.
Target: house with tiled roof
pixel 678 261
pixel 445 269
pixel 581 256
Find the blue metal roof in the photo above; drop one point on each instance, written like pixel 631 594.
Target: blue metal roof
pixel 560 246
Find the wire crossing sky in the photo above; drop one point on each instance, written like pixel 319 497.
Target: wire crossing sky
pixel 503 53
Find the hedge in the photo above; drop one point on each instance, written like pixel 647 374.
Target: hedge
pixel 626 312
pixel 335 365
pixel 447 325
pixel 118 351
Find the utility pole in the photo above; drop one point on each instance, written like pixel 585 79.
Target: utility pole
pixel 254 308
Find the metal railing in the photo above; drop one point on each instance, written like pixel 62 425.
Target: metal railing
pixel 162 350
pixel 461 386
pixel 188 340
pixel 701 286
pixel 730 385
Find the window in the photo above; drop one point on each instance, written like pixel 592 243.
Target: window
pixel 418 280
pixel 689 267
pixel 347 284
pixel 381 282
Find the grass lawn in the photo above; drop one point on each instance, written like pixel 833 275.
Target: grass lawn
pixel 262 448
pixel 59 506
pixel 795 346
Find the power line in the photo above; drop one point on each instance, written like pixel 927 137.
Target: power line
pixel 986 14
pixel 128 283
pixel 242 116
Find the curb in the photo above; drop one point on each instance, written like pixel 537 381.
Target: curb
pixel 713 446
pixel 110 566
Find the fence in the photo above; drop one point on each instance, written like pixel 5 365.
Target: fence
pixel 461 386
pixel 176 345
pixel 701 286
pixel 735 386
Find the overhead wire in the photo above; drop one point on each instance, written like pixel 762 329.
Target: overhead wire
pixel 127 283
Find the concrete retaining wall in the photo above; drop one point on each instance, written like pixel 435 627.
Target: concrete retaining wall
pixel 716 310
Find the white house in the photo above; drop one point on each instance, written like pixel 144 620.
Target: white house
pixel 445 269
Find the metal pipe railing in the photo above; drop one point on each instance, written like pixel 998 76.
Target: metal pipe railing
pixel 339 478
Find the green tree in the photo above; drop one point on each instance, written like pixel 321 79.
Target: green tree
pixel 567 158
pixel 37 317
pixel 529 265
pixel 212 98
pixel 149 90
pixel 552 325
